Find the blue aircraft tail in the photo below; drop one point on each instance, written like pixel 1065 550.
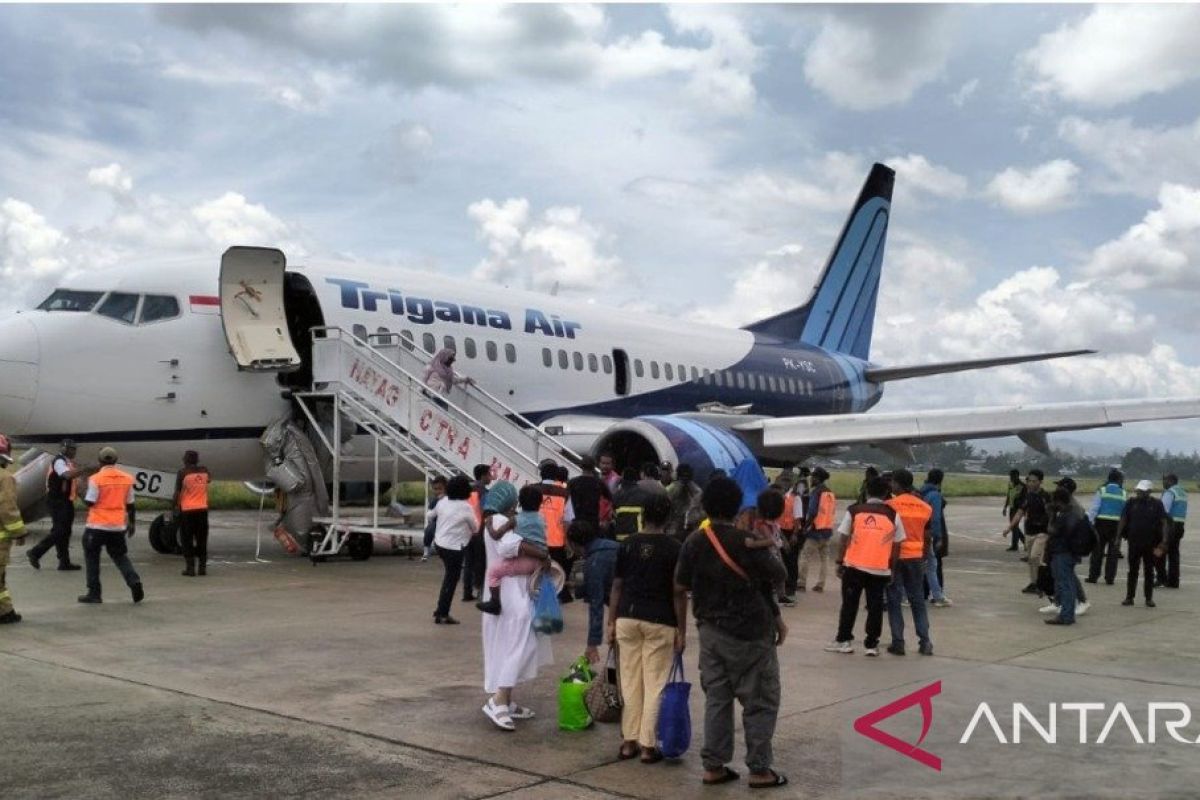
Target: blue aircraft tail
pixel 840 314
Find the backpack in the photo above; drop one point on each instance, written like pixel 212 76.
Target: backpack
pixel 1083 538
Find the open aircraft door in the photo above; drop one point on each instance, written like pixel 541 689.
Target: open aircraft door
pixel 252 310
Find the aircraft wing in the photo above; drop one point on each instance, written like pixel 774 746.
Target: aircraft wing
pixel 896 430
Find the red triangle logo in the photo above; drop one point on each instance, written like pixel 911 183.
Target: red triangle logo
pixel 922 697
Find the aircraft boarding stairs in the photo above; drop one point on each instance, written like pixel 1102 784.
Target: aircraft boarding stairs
pixel 377 386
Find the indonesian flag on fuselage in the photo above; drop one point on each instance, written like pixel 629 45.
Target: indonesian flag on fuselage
pixel 205 304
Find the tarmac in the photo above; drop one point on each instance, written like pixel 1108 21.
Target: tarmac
pixel 277 678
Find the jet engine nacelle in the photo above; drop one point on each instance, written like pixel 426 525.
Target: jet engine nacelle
pixel 675 439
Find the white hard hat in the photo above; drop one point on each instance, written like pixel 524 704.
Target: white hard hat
pixel 1144 486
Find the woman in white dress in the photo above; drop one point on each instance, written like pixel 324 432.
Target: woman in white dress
pixel 512 652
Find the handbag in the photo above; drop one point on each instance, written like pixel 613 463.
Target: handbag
pixel 573 712
pixel 674 732
pixel 547 613
pixel 603 697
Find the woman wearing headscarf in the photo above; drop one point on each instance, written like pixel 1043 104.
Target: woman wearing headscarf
pixel 440 375
pixel 512 651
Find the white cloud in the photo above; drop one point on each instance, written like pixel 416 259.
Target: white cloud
pixel 1118 53
pixel 1138 159
pixel 1162 250
pixel 916 175
pixel 965 92
pixel 559 249
pixel 1046 187
pixel 230 219
pixel 29 245
pixel 869 57
pixel 771 284
pixel 113 179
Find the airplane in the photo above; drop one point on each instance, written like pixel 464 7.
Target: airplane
pixel 162 357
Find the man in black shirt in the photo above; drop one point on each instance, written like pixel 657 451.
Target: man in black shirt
pixel 739 627
pixel 60 498
pixel 1145 523
pixel 1033 507
pixel 584 492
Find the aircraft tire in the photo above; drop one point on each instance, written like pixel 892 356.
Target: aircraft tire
pixel 155 535
pixel 361 546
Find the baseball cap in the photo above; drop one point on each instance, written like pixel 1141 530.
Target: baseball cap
pixel 1067 483
pixel 108 455
pixel 1144 486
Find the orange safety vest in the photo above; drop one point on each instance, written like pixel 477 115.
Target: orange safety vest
pixel 553 505
pixel 477 508
pixel 787 522
pixel 108 512
pixel 193 494
pixel 872 534
pixel 826 507
pixel 915 513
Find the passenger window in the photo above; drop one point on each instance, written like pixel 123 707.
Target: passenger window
pixel 773 383
pixel 668 372
pixel 156 307
pixel 492 350
pixel 653 369
pixel 741 380
pixel 562 359
pixel 120 306
pixel 547 357
pixel 448 342
pixel 717 379
pixel 638 369
pixel 469 347
pixel 696 374
pixel 429 343
pixel 359 331
pixel 593 363
pixel 577 358
pixel 606 362
pixel 682 373
pixel 406 340
pixel 510 353
pixel 70 300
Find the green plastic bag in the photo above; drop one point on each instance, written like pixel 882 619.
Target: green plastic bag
pixel 572 697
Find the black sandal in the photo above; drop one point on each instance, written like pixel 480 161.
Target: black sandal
pixel 780 780
pixel 727 777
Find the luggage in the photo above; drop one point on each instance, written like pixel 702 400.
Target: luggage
pixel 603 698
pixel 674 732
pixel 572 697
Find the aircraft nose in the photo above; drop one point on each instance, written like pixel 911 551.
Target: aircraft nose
pixel 20 352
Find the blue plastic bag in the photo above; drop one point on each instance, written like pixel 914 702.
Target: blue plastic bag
pixel 674 716
pixel 547 613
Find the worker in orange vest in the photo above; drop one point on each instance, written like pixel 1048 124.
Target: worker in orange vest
pixel 822 505
pixel 110 521
pixel 869 539
pixel 191 502
pixel 12 528
pixel 554 507
pixel 909 577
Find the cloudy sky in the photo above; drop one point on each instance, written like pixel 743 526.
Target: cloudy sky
pixel 695 161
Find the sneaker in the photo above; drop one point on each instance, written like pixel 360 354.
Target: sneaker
pixel 138 592
pixel 499 715
pixel 839 647
pixel 945 602
pixel 34 561
pixel 787 602
pixel 69 567
pixel 1030 589
pixel 10 618
pixel 926 648
pixel 1091 580
pixel 873 652
pixel 896 649
pixel 1010 549
pixel 1149 604
pixel 1128 601
pixel 1082 608
pixel 1053 608
pixel 95 598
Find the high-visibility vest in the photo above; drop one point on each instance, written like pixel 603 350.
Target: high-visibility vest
pixel 193 493
pixel 11 524
pixel 826 507
pixel 108 512
pixel 477 507
pixel 60 487
pixel 1178 510
pixel 872 534
pixel 552 509
pixel 787 521
pixel 915 513
pixel 1112 501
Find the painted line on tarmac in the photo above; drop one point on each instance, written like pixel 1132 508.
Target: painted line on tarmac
pixel 541 778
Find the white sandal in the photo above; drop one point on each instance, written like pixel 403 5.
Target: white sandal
pixel 499 715
pixel 520 712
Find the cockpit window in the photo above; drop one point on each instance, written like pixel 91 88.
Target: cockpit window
pixel 70 300
pixel 119 306
pixel 158 307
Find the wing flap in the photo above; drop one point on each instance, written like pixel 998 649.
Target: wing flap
pixel 963 423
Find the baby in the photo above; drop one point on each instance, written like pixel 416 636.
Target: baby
pixel 764 528
pixel 532 528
